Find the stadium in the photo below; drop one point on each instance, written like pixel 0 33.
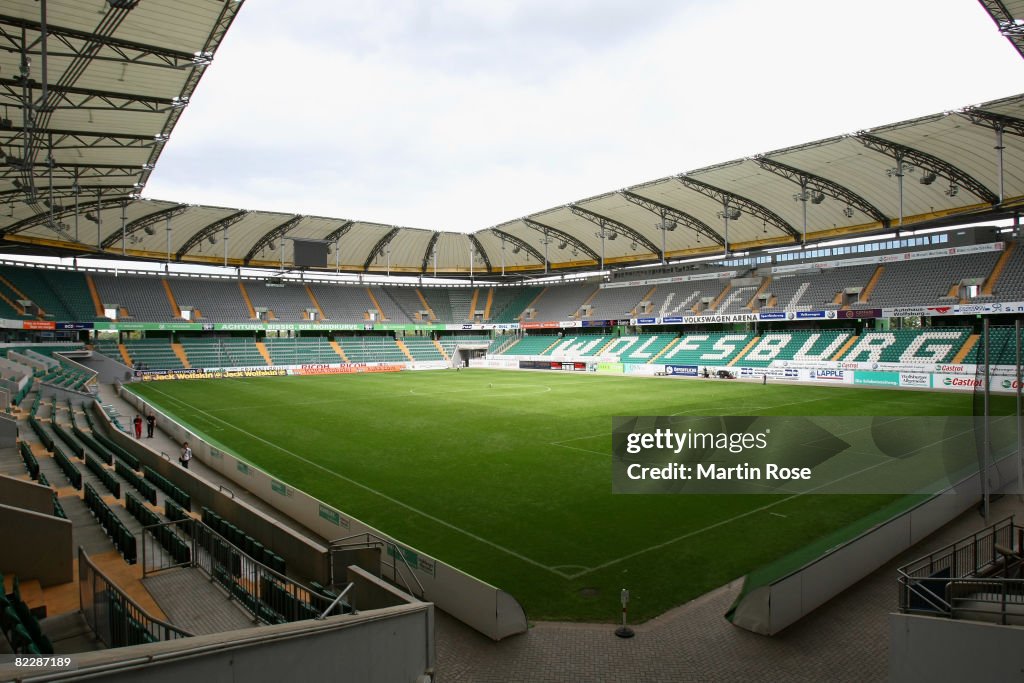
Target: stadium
pixel 758 419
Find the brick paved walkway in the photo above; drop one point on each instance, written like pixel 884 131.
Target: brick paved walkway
pixel 845 640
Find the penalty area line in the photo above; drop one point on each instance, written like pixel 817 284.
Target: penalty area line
pixel 374 491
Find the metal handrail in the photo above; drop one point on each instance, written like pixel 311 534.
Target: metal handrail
pixel 964 559
pixel 378 540
pixel 336 601
pixel 86 563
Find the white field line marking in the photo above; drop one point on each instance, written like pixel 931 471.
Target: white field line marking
pixel 480 392
pixel 576 448
pixel 386 497
pixel 735 518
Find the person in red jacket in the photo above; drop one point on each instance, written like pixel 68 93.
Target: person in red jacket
pixel 138 427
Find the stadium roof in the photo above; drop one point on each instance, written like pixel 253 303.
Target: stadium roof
pixel 1009 18
pixel 118 73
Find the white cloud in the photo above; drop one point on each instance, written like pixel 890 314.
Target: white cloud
pixel 460 115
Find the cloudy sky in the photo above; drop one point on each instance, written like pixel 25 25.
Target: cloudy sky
pixel 463 114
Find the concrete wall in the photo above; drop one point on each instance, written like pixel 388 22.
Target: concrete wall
pixel 771 608
pixel 109 370
pixel 42 543
pixel 25 494
pixel 393 645
pixel 305 558
pixel 369 592
pixel 8 431
pixel 486 608
pixel 932 649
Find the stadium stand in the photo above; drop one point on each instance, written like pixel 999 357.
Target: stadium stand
pixel 372 350
pixel 679 298
pixel 216 300
pixel 640 348
pixel 343 304
pixel 123 539
pixel 222 352
pixel 928 282
pixel 582 345
pixel 287 303
pixel 440 303
pixel 150 354
pixel 795 345
pixel 1010 285
pixel 736 300
pixel 19 625
pixel 816 289
pixel 301 350
pixel 461 299
pixel 509 303
pixel 63 295
pixel 716 348
pixel 136 297
pixel 405 300
pixel 561 303
pixel 532 344
pixel 422 348
pixel 929 346
pixel 614 303
pixel 392 311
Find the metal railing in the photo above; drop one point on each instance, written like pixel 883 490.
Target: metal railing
pixel 115 618
pixel 391 549
pixel 976 577
pixel 267 595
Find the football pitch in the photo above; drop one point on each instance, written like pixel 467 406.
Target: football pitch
pixel 507 475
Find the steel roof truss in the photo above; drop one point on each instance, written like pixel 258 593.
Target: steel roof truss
pixel 209 230
pixel 480 250
pixel 731 198
pixel 606 223
pixel 939 166
pixel 516 242
pixel 810 181
pixel 271 235
pixel 548 232
pixel 378 248
pixel 666 211
pixel 144 222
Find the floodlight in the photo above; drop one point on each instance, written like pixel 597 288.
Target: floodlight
pixel 817 197
pixel 927 178
pixel 149 230
pixel 848 212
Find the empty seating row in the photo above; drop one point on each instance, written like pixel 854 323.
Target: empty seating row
pixel 104 475
pixel 243 541
pixel 179 550
pixel 20 626
pixel 31 464
pixel 168 487
pixel 123 539
pixel 145 488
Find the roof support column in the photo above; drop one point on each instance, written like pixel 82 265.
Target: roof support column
pixel 999 156
pixel 99 219
pixel 124 228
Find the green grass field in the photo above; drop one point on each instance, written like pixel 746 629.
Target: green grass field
pixel 506 475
